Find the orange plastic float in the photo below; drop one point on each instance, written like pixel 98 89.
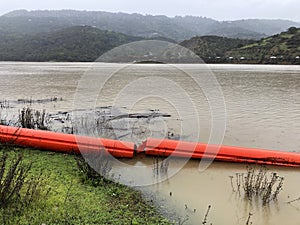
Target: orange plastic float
pixel 66 143
pixel 166 148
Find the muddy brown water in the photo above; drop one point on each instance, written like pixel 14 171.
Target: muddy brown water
pixel 262 105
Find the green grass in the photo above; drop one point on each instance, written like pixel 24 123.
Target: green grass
pixel 263 42
pixel 286 35
pixel 249 46
pixel 70 201
pixel 283 46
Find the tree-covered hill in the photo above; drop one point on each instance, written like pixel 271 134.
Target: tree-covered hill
pixel 79 43
pixel 213 48
pixel 283 48
pixel 86 44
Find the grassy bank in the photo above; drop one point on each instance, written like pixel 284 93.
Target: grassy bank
pixel 68 200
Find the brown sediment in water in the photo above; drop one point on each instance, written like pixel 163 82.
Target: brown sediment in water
pixel 262 112
pixel 192 191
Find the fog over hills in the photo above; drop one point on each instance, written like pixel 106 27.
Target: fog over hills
pixel 23 22
pixel 69 35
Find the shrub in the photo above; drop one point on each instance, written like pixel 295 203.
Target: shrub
pixel 18 188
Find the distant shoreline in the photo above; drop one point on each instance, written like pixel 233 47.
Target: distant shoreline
pixel 155 63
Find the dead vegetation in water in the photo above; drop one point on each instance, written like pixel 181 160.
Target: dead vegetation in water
pixel 26 117
pixel 248 222
pixel 3 120
pixel 257 183
pixel 106 122
pixel 160 166
pixel 4 104
pixel 115 123
pixel 34 119
pixel 294 200
pixel 183 220
pixel 31 101
pixel 206 215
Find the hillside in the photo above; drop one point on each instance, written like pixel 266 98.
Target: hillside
pixel 213 48
pixel 177 28
pixel 86 44
pixel 280 48
pixel 283 48
pixel 79 43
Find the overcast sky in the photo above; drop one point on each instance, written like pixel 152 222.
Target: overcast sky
pixel 216 9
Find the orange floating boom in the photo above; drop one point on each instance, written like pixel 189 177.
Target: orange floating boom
pixel 67 143
pixel 166 148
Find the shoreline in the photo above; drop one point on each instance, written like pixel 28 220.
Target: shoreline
pixel 70 200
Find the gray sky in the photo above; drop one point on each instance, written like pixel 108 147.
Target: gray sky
pixel 216 9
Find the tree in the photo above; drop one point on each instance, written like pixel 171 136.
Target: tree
pixel 292 30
